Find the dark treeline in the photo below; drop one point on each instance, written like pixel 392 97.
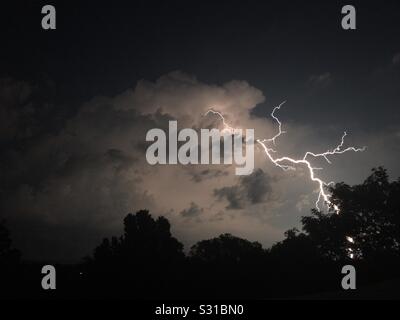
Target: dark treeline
pixel 147 262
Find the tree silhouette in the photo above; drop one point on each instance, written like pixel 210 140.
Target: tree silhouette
pixel 9 264
pixel 144 239
pixel 369 214
pixel 146 257
pixel 296 247
pixel 8 256
pixel 226 249
pixel 146 261
pixel 227 266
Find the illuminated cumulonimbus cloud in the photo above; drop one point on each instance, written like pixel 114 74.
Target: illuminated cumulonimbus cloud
pixel 288 163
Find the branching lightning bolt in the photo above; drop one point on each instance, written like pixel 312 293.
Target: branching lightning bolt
pixel 227 127
pixel 322 194
pixel 287 163
pixel 282 162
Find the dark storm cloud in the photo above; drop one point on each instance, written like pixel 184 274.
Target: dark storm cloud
pixel 320 80
pixel 13 92
pixel 236 200
pixel 207 174
pixel 251 189
pixel 257 186
pixel 15 111
pixel 192 212
pixel 120 158
pixel 93 169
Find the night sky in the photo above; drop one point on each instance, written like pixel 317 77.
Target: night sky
pixel 76 103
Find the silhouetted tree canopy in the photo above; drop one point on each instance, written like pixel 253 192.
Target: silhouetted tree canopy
pixel 8 255
pixel 296 247
pixel 369 214
pixel 148 257
pixel 9 264
pixel 226 248
pixel 147 261
pixel 143 261
pixel 144 239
